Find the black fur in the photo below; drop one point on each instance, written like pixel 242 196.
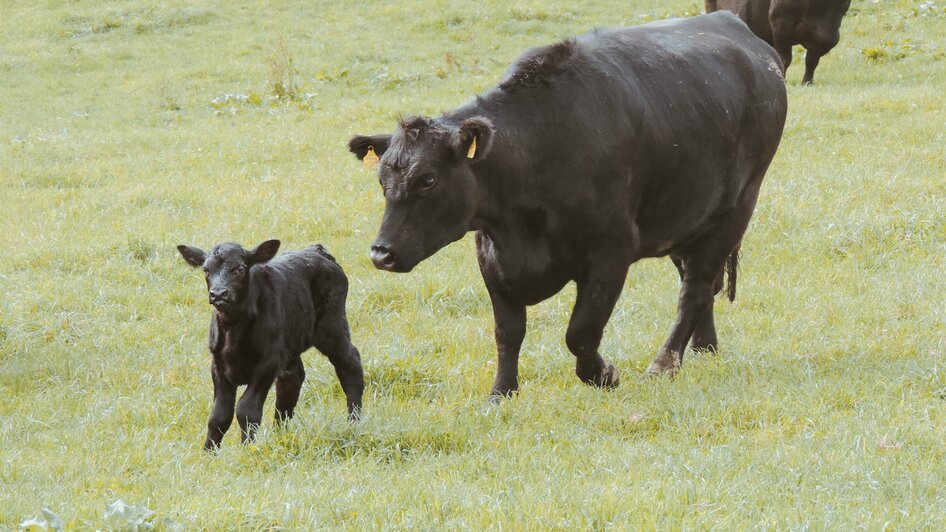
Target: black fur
pixel 267 313
pixel 611 147
pixel 814 24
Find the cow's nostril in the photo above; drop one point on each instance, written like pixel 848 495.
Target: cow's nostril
pixel 382 257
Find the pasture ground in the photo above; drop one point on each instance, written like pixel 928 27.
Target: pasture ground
pixel 129 127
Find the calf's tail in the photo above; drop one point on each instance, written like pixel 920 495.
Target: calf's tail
pixel 731 264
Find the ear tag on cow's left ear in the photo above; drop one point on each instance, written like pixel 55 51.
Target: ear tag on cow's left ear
pixel 370 160
pixel 472 151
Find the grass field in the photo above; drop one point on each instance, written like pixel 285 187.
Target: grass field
pixel 129 127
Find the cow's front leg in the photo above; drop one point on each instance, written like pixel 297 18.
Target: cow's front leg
pixel 510 321
pixel 509 316
pixel 249 411
pixel 597 295
pixel 221 416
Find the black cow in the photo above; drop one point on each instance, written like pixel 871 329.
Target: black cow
pixel 815 24
pixel 592 154
pixel 266 313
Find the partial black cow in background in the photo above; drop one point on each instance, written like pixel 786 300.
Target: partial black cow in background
pixel 814 24
pixel 591 154
pixel 266 313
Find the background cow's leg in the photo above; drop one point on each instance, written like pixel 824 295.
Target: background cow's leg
pixel 249 411
pixel 221 416
pixel 812 57
pixel 510 329
pixel 704 334
pixel 288 386
pixel 785 52
pixel 597 295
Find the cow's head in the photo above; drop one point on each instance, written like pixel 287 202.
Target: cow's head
pixel 227 272
pixel 429 188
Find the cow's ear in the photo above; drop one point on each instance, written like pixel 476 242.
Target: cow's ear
pixel 473 138
pixel 193 256
pixel 263 252
pixel 359 145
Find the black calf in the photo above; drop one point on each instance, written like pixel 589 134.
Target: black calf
pixel 266 313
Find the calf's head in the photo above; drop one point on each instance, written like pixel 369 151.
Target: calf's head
pixel 429 188
pixel 227 271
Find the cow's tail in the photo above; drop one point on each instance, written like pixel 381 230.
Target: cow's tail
pixel 730 267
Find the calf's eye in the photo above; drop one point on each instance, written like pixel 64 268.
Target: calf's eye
pixel 429 182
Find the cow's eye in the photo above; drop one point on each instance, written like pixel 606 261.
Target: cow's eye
pixel 429 182
pixel 241 268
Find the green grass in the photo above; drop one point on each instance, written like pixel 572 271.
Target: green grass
pixel 824 408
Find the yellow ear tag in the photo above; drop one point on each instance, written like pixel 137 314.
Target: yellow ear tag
pixel 370 160
pixel 472 152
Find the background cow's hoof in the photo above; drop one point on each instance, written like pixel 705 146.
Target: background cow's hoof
pixel 497 396
pixel 608 377
pixel 708 349
pixel 665 363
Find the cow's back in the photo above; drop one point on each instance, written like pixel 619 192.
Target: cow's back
pixel 755 13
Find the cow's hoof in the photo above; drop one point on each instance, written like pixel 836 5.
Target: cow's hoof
pixel 665 363
pixel 704 348
pixel 608 377
pixel 498 396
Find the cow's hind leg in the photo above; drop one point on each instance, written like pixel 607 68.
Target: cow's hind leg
pixel 704 334
pixel 597 294
pixel 812 58
pixel 703 260
pixel 288 386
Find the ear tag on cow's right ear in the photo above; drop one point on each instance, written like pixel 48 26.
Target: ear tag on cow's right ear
pixel 370 160
pixel 472 151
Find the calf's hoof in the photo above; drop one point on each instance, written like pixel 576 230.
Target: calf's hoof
pixel 665 363
pixel 608 377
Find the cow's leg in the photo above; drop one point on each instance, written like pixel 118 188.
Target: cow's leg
pixel 221 416
pixel 812 57
pixel 702 263
pixel 510 329
pixel 704 334
pixel 597 294
pixel 288 386
pixel 249 410
pixel 784 51
pixel 509 318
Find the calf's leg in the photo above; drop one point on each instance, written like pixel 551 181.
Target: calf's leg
pixel 288 386
pixel 221 416
pixel 249 411
pixel 334 341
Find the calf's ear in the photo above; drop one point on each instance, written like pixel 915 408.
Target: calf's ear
pixel 263 252
pixel 359 145
pixel 193 256
pixel 473 139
